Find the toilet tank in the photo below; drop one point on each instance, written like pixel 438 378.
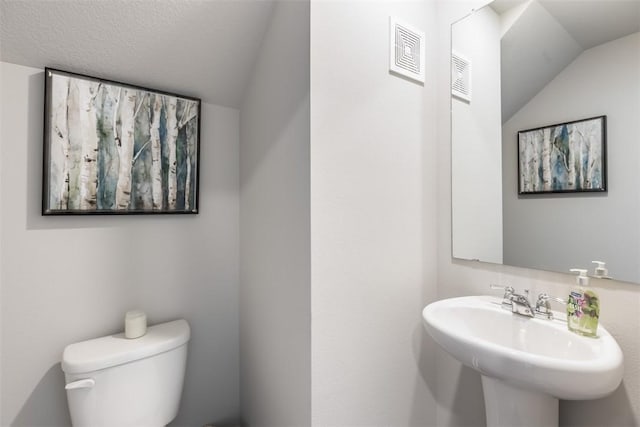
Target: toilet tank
pixel 115 381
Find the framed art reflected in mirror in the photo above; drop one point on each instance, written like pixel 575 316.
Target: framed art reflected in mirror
pixel 563 158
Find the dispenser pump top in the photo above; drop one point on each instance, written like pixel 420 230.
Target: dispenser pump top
pixel 601 269
pixel 582 279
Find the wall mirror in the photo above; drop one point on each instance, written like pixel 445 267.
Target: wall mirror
pixel 520 65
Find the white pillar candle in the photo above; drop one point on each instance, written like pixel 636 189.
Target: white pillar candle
pixel 135 324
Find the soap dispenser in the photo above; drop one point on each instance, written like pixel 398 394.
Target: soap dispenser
pixel 583 306
pixel 601 271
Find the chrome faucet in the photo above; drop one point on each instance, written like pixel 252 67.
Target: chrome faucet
pixel 517 303
pixel 520 304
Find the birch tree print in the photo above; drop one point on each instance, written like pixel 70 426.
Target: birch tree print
pixel 60 140
pixel 87 121
pixel 156 161
pixel 113 148
pixel 125 148
pixel 171 107
pixel 562 158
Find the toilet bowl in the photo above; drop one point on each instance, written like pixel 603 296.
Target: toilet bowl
pixel 115 381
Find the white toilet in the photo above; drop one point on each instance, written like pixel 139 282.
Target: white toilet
pixel 115 381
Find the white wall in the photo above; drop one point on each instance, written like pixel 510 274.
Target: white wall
pixel 1 239
pixel 66 279
pixel 372 219
pixel 459 398
pixel 274 217
pixel 477 153
pixel 602 80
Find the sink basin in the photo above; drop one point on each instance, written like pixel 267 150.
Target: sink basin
pixel 539 359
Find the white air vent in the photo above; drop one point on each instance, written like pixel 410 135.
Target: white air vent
pixel 406 50
pixel 460 77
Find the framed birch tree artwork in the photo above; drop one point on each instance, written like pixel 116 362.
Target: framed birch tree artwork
pixel 563 158
pixel 113 148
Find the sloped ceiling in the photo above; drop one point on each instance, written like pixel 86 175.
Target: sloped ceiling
pixel 549 34
pixel 592 23
pixel 534 50
pixel 199 48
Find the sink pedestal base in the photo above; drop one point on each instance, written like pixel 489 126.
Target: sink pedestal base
pixel 508 406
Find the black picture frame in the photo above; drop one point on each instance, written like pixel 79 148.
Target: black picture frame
pixel 569 157
pixel 117 148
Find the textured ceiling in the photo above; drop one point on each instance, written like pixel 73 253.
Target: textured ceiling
pixel 201 48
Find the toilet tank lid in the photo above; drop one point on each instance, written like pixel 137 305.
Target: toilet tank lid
pixel 113 350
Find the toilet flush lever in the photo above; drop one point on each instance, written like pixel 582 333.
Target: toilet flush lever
pixel 84 383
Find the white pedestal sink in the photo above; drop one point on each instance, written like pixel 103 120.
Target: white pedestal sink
pixel 526 364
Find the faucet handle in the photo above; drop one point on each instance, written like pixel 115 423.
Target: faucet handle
pixel 508 290
pixel 546 297
pixel 506 298
pixel 543 307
